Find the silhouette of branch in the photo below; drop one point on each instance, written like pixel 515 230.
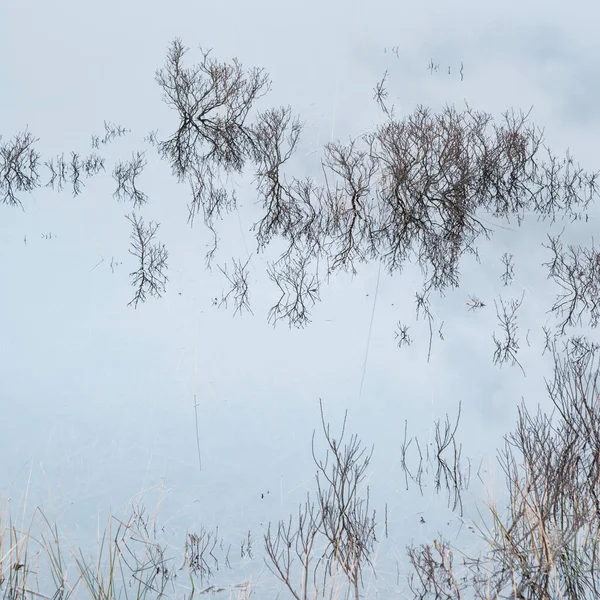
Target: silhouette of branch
pixel 150 276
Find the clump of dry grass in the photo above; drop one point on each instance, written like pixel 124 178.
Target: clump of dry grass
pixel 37 560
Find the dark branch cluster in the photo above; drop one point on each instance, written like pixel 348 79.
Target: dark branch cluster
pixel 150 276
pixel 509 268
pixel 411 190
pixel 552 465
pixel 507 347
pixel 111 132
pixel 440 459
pixel 239 288
pixel 71 171
pixel 545 543
pixel 576 270
pixel 212 100
pixel 299 287
pixel 202 551
pixel 402 335
pixel 19 163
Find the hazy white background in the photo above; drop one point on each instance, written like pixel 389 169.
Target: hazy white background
pixel 96 398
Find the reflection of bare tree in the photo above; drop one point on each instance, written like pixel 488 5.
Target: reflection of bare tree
pixel 246 546
pixel 442 459
pixel 335 532
pixel 111 132
pixel 381 94
pixel 238 281
pixel 431 67
pixel 508 347
pixel 348 205
pixel 212 100
pixel 402 335
pixel 19 163
pixel 150 276
pixel 213 200
pixel 509 272
pixel 576 270
pixel 417 185
pixel 276 136
pixel 545 543
pixel 411 190
pixel 475 303
pixel 299 290
pixel 126 174
pixel 199 552
pixel 63 171
pixel 423 307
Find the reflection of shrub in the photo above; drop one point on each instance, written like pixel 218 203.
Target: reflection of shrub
pixel 128 557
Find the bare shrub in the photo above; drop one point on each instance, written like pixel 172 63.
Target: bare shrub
pixel 63 171
pixel 19 163
pixel 411 190
pixel 126 174
pixel 150 276
pixel 111 132
pixel 441 460
pixel 576 270
pixel 507 347
pixel 238 290
pixel 545 543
